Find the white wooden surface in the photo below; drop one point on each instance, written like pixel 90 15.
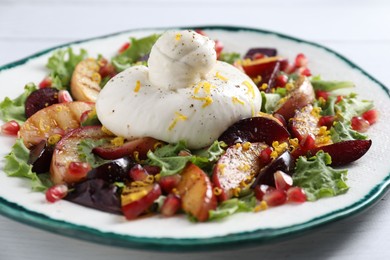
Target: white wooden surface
pixel 358 29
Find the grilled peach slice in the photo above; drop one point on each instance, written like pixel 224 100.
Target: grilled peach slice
pixel 57 118
pixel 196 192
pixel 85 81
pixel 302 95
pixel 66 155
pixel 237 168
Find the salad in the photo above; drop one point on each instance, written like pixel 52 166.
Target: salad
pixel 224 132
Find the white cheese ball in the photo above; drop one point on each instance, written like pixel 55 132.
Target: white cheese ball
pixel 132 105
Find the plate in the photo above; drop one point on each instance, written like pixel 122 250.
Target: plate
pixel 368 178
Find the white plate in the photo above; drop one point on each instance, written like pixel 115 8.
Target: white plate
pixel 368 178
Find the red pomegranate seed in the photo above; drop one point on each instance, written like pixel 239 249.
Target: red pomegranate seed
pixel 327 121
pixel 308 143
pixel 138 173
pixel 296 194
pixel 64 96
pixel 56 193
pixel 323 94
pixel 124 47
pixel 265 155
pixel 275 197
pixel 359 124
pixel 304 72
pixel 371 116
pixel 261 190
pixel 300 60
pixel 283 181
pixel 45 83
pixel 10 128
pixel 281 80
pixel 171 205
pixel 339 98
pixel 218 48
pixel 167 183
pixel 78 168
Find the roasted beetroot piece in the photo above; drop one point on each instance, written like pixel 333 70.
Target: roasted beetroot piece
pixel 40 157
pixel 141 146
pixel 96 194
pixel 168 183
pixel 270 52
pixel 39 99
pixel 196 192
pixel 302 95
pixel 136 200
pixel 285 163
pixel 344 152
pixel 114 171
pixel 255 130
pixel 237 168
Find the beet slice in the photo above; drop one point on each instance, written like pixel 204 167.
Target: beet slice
pixel 39 99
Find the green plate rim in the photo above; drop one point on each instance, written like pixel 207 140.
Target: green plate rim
pixel 256 237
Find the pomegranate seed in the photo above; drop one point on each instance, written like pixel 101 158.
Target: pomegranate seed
pixel 339 98
pixel 327 121
pixel 64 96
pixel 10 128
pixel 218 48
pixel 308 142
pixel 167 183
pixel 289 69
pixel 359 124
pixel 304 72
pixel 45 83
pixel 261 190
pixel 171 205
pixel 56 193
pixel 258 56
pixel 371 116
pixel 265 155
pixel 78 168
pixel 281 80
pixel 296 194
pixel 283 181
pixel 275 197
pixel 300 61
pixel 323 94
pixel 138 173
pixel 124 47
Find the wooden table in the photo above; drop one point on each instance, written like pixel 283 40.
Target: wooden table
pixel 358 29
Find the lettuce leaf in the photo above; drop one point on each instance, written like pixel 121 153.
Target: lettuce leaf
pixel 13 109
pixel 84 149
pixel 138 48
pixel 232 206
pixel 342 131
pixel 16 166
pixel 170 162
pixel 229 57
pixel 269 102
pixel 317 178
pixel 62 64
pixel 350 106
pixel 330 85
